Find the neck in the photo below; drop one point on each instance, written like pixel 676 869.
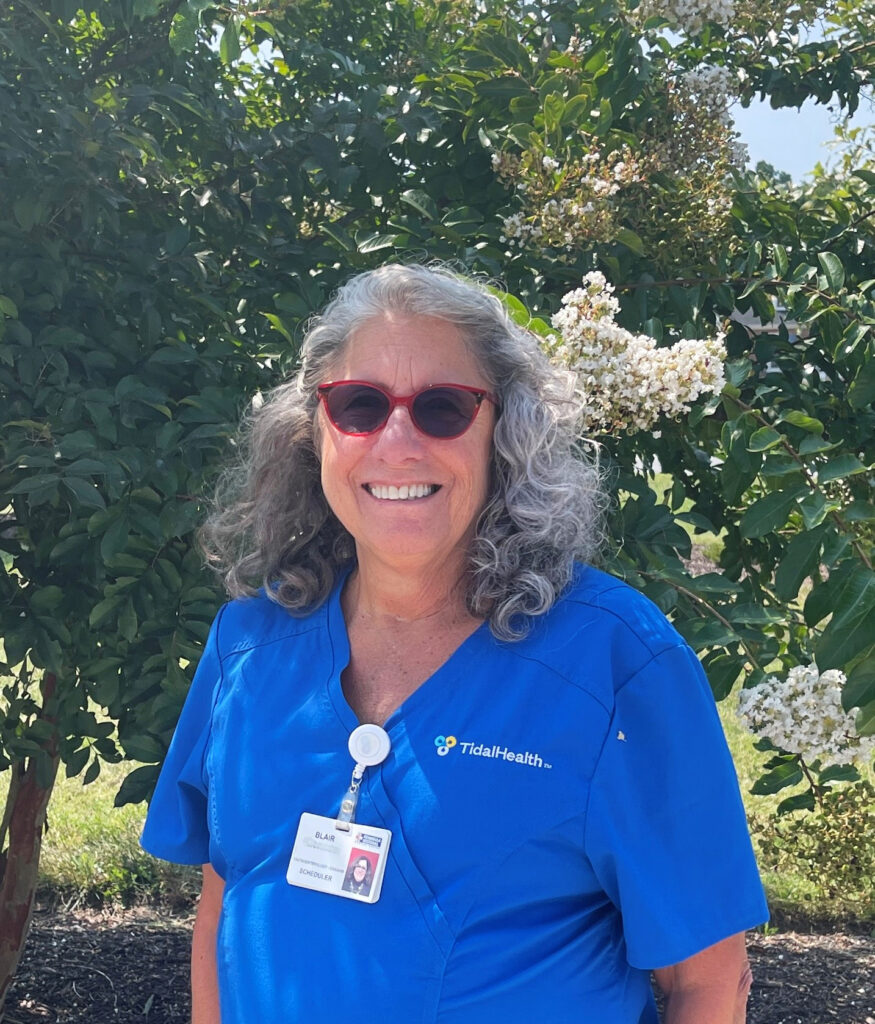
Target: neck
pixel 387 594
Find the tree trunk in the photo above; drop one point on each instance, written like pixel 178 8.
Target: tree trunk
pixel 24 820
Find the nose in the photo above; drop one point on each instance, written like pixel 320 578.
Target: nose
pixel 399 437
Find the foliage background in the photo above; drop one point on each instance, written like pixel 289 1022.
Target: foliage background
pixel 185 182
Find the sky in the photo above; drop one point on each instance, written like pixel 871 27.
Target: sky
pixel 789 139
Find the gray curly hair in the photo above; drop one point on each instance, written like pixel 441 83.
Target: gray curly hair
pixel 271 525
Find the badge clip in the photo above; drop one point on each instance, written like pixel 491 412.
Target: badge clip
pixel 368 745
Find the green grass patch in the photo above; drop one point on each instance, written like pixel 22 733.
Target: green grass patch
pixel 91 851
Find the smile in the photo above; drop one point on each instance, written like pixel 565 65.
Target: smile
pixel 403 493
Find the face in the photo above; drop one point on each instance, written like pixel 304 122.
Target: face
pixel 361 476
pixel 360 870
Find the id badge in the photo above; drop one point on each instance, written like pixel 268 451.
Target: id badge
pixel 342 863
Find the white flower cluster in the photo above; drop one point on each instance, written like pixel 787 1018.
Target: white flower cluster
pixel 565 204
pixel 628 382
pixel 690 15
pixel 803 715
pixel 560 221
pixel 712 88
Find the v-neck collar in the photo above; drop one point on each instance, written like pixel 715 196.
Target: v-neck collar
pixel 442 679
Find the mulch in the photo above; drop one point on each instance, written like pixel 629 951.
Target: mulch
pixel 131 966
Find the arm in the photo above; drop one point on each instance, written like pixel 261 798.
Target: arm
pixel 204 983
pixel 709 988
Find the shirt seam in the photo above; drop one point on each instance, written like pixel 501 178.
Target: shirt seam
pixel 670 642
pixel 608 731
pixel 255 645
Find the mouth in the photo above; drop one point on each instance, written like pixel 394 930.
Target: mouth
pixel 406 492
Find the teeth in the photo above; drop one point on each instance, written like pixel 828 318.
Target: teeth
pixel 403 493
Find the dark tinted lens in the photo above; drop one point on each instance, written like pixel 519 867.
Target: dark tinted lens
pixel 356 408
pixel 444 412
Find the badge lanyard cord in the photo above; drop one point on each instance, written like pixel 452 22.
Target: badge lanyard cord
pixel 351 798
pixel 368 745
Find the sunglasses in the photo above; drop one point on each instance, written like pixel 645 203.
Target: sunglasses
pixel 443 411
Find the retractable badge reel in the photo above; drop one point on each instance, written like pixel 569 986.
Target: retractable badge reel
pixel 337 855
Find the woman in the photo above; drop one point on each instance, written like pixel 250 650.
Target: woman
pixel 359 877
pixel 562 811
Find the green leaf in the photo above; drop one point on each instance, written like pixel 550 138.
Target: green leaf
pixel 833 269
pixel 865 719
pixel 799 419
pixel 138 785
pixel 183 31
pixel 46 599
pixel 813 445
pixel 143 747
pixel 800 560
pixel 421 202
pixel 849 631
pixel 84 491
pixel 373 241
pixel 779 254
pixel 127 621
pixel 860 688
pixel 787 774
pixel 102 611
pixel 839 773
pixel 115 539
pixel 753 615
pixel 861 394
pixel 554 105
pixel 763 439
pixel 840 467
pixel 722 671
pixel 627 237
pixel 77 761
pixel 771 512
pixel 799 802
pixel 229 45
pixel 92 773
pixel 278 325
pixel 8 307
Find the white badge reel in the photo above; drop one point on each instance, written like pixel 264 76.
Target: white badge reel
pixel 334 855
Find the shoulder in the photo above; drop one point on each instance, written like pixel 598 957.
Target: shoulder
pixel 620 609
pixel 600 633
pixel 249 622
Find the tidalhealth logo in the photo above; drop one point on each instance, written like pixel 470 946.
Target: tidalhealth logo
pixel 444 744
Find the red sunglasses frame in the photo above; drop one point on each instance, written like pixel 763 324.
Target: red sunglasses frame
pixel 481 394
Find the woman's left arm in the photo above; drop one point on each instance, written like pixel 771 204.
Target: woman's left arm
pixel 709 988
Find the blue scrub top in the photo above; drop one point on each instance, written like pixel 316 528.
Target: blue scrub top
pixel 584 828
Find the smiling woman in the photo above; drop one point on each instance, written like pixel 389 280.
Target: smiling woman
pixel 272 525
pixel 542 808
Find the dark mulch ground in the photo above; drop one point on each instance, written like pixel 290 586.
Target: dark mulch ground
pixel 131 967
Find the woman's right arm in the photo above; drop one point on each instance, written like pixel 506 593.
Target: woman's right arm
pixel 204 982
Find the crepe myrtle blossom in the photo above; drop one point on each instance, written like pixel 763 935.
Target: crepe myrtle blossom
pixel 803 715
pixel 564 204
pixel 628 383
pixel 690 16
pixel 712 88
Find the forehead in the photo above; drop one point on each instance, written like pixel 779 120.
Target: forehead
pixel 402 351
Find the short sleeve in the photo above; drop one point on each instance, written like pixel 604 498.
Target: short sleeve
pixel 176 826
pixel 666 832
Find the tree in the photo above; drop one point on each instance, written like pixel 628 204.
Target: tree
pixel 187 182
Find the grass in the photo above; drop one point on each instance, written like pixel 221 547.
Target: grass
pixel 91 851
